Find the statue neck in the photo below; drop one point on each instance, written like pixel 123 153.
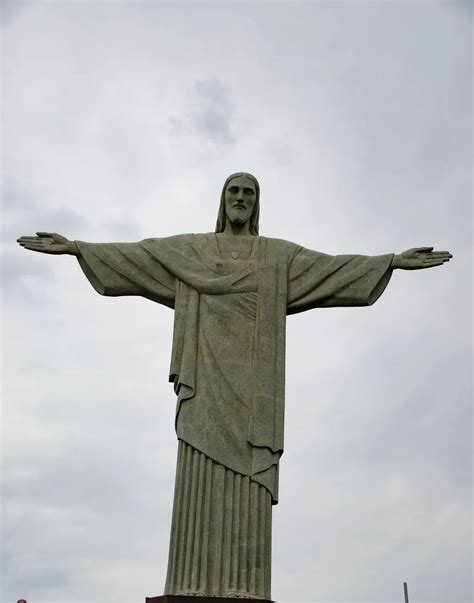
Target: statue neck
pixel 231 228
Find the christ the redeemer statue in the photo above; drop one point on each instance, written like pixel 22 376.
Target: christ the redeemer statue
pixel 231 291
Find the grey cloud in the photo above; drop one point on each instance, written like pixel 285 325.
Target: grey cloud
pixel 9 11
pixel 389 452
pixel 374 480
pixel 463 7
pixel 82 465
pixel 25 211
pixel 37 579
pixel 280 151
pixel 55 218
pixel 214 111
pixel 16 267
pixel 211 113
pixel 16 197
pixel 122 228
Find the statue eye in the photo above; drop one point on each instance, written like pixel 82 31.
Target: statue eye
pixel 248 191
pixel 233 189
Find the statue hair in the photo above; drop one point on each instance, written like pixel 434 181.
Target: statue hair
pixel 221 216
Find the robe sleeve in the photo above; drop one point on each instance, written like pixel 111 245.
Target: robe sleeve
pixel 117 269
pixel 318 280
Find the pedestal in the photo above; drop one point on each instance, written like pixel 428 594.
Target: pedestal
pixel 190 599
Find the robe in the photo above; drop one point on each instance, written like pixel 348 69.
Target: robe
pixel 228 371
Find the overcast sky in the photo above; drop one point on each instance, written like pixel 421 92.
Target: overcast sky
pixel 121 120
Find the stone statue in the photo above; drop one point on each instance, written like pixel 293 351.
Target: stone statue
pixel 231 291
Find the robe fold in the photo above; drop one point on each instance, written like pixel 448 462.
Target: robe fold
pixel 228 354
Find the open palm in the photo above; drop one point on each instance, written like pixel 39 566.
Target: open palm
pixel 420 257
pixel 47 242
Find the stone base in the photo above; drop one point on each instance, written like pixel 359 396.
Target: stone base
pixel 190 599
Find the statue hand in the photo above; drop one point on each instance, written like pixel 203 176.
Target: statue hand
pixel 420 257
pixel 49 242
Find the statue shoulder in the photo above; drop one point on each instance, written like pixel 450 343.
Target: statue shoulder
pixel 176 241
pixel 281 246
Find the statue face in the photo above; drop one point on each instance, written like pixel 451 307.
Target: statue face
pixel 240 199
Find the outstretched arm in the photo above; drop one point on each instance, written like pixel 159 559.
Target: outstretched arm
pixel 419 258
pixel 317 280
pixel 113 269
pixel 49 242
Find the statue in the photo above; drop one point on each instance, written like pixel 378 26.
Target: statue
pixel 231 291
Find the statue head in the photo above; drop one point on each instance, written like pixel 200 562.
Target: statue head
pixel 240 202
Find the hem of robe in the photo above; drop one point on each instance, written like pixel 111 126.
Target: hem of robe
pixel 221 532
pixel 268 478
pixel 382 283
pixel 87 269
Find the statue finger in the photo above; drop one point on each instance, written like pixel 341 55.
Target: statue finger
pixel 44 234
pixel 424 249
pixel 431 258
pixel 36 240
pixel 36 249
pixel 34 246
pixel 439 256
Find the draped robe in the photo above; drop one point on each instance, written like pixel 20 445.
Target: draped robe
pixel 228 370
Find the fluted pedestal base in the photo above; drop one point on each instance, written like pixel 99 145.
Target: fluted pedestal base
pixel 221 533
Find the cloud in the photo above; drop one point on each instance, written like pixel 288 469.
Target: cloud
pixel 10 11
pixel 210 114
pixel 122 121
pixel 25 209
pixel 214 111
pixel 15 271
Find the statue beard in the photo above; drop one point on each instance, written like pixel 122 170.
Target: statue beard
pixel 238 220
